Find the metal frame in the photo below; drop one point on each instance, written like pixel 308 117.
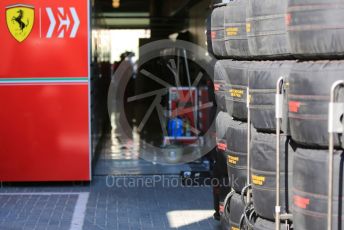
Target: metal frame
pixel 248 145
pixel 279 116
pixel 336 110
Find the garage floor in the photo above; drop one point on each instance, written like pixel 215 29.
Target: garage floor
pixel 108 203
pixel 126 193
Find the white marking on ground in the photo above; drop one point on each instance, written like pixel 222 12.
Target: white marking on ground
pixel 180 218
pixel 79 209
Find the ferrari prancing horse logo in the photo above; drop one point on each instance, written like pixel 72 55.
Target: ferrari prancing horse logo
pixel 20 19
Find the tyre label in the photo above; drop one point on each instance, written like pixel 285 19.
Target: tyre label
pixel 221 146
pixel 232 31
pixel 248 27
pixel 301 202
pixel 213 35
pixel 217 87
pixel 294 106
pixel 233 159
pixel 258 180
pixel 288 19
pixel 238 93
pixel 218 34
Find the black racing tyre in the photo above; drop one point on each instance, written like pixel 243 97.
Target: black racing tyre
pixel 309 95
pixel 263 79
pixel 220 85
pixel 310 189
pixel 316 28
pixel 263 168
pixel 266 28
pixel 223 121
pixel 236 98
pixel 235 29
pixel 224 189
pixel 237 208
pixel 262 224
pixel 218 31
pixel 237 154
pixel 221 187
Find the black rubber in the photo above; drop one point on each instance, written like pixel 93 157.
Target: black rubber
pixel 263 168
pixel 235 29
pixel 237 154
pixel 236 98
pixel 236 211
pixel 316 28
pixel 220 85
pixel 266 29
pixel 309 95
pixel 263 79
pixel 223 121
pixel 262 224
pixel 217 31
pixel 310 189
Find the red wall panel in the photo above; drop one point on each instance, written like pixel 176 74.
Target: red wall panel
pixel 44 94
pixel 44 133
pixel 38 55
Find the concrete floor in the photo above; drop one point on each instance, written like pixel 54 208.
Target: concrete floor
pixel 149 196
pixel 108 203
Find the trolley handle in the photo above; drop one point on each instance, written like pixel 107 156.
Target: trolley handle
pixel 245 192
pixel 279 103
pixel 249 131
pixel 335 114
pixel 227 203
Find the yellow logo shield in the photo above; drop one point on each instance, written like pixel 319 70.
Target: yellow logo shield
pixel 20 19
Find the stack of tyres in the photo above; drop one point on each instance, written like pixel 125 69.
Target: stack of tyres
pixel 263 79
pixel 218 31
pixel 315 28
pixel 263 168
pixel 236 98
pixel 310 84
pixel 235 29
pixel 236 136
pixel 310 189
pixel 220 85
pixel 266 29
pixel 309 96
pixel 315 32
pixel 220 167
pixel 213 29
